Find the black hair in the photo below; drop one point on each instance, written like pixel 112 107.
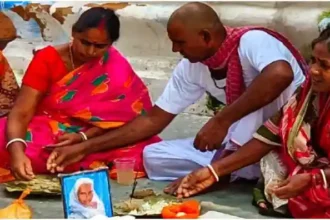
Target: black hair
pixel 324 36
pixel 93 17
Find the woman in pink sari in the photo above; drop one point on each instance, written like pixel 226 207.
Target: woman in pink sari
pixel 72 93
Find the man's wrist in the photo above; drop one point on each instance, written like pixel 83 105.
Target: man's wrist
pixel 224 118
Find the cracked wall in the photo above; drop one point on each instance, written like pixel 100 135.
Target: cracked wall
pixel 143 32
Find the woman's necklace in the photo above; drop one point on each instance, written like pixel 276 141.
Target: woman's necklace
pixel 71 56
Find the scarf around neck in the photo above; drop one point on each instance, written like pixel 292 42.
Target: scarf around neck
pixel 228 55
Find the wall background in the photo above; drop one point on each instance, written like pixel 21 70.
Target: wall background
pixel 143 30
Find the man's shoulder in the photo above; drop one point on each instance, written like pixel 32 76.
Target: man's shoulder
pixel 255 41
pixel 256 37
pixel 185 63
pixel 185 67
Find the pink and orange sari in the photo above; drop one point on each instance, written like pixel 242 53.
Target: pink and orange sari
pixel 105 93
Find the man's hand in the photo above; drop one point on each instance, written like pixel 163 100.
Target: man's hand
pixel 293 186
pixel 212 134
pixel 21 166
pixel 63 156
pixel 195 182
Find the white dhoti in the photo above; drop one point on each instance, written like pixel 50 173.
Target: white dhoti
pixel 169 160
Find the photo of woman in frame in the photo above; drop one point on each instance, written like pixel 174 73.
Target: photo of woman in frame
pixel 86 194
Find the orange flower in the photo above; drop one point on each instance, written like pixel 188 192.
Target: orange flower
pixel 187 210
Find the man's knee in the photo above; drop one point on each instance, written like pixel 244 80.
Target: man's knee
pixel 149 151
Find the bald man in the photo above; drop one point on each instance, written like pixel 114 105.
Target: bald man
pixel 258 69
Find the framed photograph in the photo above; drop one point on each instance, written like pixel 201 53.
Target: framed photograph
pixel 86 194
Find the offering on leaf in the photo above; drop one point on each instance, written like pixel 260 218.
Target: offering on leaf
pixel 187 210
pixel 144 203
pixel 41 184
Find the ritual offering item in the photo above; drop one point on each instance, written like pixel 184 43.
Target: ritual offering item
pixel 187 210
pixel 145 203
pixel 18 209
pixel 41 184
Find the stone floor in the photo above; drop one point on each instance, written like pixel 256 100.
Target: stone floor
pixel 235 200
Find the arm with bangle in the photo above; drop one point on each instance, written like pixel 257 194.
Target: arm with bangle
pixel 17 123
pixel 251 153
pixel 92 132
pixel 247 154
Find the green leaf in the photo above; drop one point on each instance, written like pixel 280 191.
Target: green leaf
pixel 324 14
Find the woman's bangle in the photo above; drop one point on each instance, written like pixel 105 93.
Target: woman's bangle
pixel 16 140
pixel 83 135
pixel 213 172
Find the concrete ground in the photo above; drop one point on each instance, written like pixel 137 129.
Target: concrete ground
pixel 235 200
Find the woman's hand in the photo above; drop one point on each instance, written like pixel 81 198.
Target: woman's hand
pixel 68 139
pixel 194 183
pixel 20 164
pixel 293 186
pixel 63 156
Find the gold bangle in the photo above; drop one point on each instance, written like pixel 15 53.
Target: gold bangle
pixel 83 135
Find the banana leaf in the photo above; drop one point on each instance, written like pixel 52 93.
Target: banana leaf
pixel 41 184
pixel 149 206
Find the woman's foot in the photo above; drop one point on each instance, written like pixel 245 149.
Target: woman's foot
pixel 264 207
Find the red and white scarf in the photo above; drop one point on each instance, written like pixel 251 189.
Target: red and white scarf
pixel 228 55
